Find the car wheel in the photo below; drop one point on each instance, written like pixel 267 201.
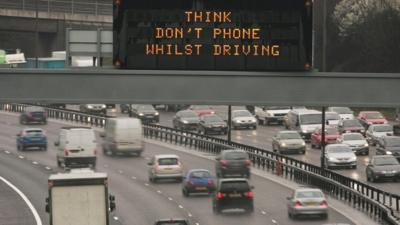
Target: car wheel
pixel 302 152
pixel 354 167
pixel 250 209
pixel 58 163
pixel 18 147
pixel 22 147
pixel 216 209
pixel 185 192
pixel 324 216
pixel 372 178
pixel 255 127
pixel 44 148
pixel 179 180
pixel 312 145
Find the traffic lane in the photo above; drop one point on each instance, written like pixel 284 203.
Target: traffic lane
pixel 30 179
pixel 269 205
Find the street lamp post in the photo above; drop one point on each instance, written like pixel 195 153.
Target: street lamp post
pixel 229 123
pixel 36 34
pixel 323 139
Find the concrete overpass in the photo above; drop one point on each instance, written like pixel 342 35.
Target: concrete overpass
pixel 18 22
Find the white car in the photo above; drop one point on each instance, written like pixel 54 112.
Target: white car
pixel 340 155
pixel 332 118
pixel 345 113
pixel 356 142
pixel 271 114
pixel 243 119
pixel 376 131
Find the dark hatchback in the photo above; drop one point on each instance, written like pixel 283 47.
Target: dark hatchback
pixel 233 193
pixel 383 167
pixel 212 124
pixel 146 113
pixel 31 138
pixel 33 114
pixel 389 145
pixel 351 126
pixel 187 120
pixel 233 163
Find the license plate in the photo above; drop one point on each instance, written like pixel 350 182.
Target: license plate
pixel 149 117
pixel 167 168
pixel 389 175
pixel 235 195
pixel 201 188
pixel 311 203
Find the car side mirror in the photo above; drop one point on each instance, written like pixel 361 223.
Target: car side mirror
pixel 47 205
pixel 56 143
pixel 112 203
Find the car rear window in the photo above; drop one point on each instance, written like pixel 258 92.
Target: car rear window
pixel 234 186
pixel 33 132
pixel 236 156
pixel 167 161
pixel 309 194
pixel 200 174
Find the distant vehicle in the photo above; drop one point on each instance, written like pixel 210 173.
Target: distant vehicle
pixel 93 108
pixel 340 155
pixel 243 119
pixel 124 108
pixel 389 145
pixel 123 136
pixel 331 135
pixel 57 105
pixel 332 118
pixel 33 114
pixel 371 117
pixel 288 141
pixel 356 142
pixel 233 193
pixel 307 201
pixel 172 221
pixel 202 109
pixel 186 120
pixel 165 167
pixel 76 146
pixel 351 126
pixel 345 113
pixel 376 131
pixel 304 121
pixel 146 113
pixel 32 138
pixel 79 197
pixel 212 124
pixel 198 181
pixel 271 114
pixel 383 167
pixel 233 162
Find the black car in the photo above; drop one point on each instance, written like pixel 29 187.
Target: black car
pixel 186 120
pixel 33 114
pixel 146 113
pixel 383 167
pixel 124 108
pixel 389 145
pixel 172 221
pixel 233 193
pixel 212 124
pixel 233 163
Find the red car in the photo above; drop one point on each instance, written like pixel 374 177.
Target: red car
pixel 367 118
pixel 202 109
pixel 331 135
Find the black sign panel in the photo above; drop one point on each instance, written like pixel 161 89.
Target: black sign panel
pixel 239 35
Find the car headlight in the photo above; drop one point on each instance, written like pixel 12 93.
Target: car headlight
pixel 141 114
pixel 185 121
pixel 331 159
pixel 253 120
pixel 237 121
pixel 103 106
pixel 362 130
pixel 89 106
pixel 283 144
pixel 212 112
pixel 303 143
pixel 354 158
pixel 388 153
pixel 366 145
pixel 304 131
pixel 156 113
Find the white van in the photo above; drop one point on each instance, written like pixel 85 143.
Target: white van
pixel 304 121
pixel 76 147
pixel 124 136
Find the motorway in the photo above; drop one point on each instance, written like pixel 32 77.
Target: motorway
pixel 139 202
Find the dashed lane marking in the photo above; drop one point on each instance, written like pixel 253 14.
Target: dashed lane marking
pixel 263 212
pixel 159 192
pixel 147 184
pixel 35 163
pixel 169 198
pixel 47 168
pixel 133 178
pixel 7 152
pixel 180 206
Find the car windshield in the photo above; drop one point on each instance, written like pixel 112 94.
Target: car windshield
pixel 309 194
pixel 290 136
pixel 342 110
pixel 351 123
pixel 241 113
pixel 332 116
pixel 33 132
pixel 212 119
pixel 373 116
pixel 277 108
pixel 188 114
pixel 235 186
pixel 338 150
pixel 200 174
pixel 310 119
pixel 145 107
pixel 331 131
pixel 383 128
pixel 167 161
pixel 352 137
pixel 393 142
pixel 386 161
pixel 236 156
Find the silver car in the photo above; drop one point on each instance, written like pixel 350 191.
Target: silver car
pixel 288 141
pixel 356 142
pixel 307 201
pixel 340 155
pixel 243 119
pixel 165 167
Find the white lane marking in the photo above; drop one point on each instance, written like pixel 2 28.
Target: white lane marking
pixel 21 157
pixel 35 163
pixel 159 192
pixel 7 152
pixel 48 168
pixel 169 198
pixel 115 218
pixel 180 206
pixel 190 215
pixel 133 178
pixel 31 207
pixel 263 212
pixel 197 224
pixel 147 184
pixel 274 221
pixel 120 171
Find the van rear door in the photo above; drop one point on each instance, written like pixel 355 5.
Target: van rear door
pixel 81 142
